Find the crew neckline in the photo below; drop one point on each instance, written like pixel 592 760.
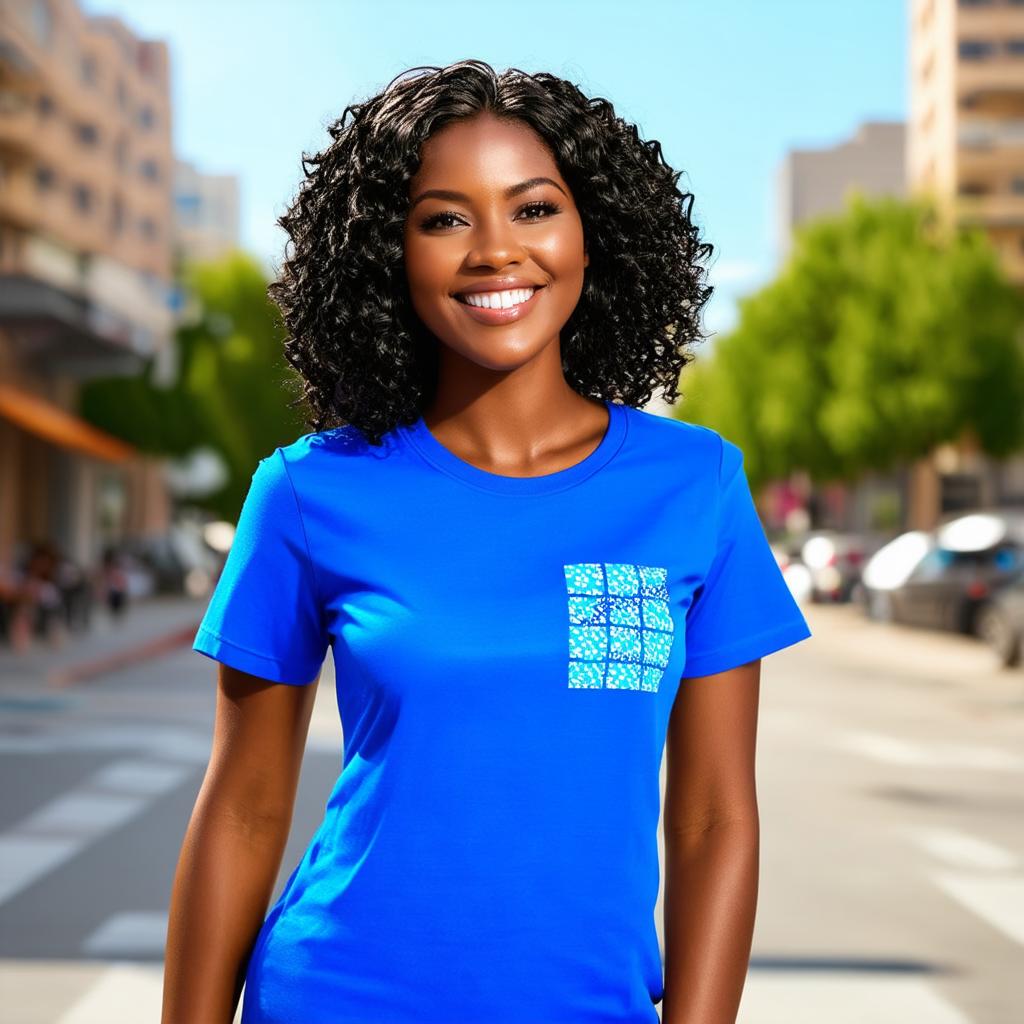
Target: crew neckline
pixel 448 462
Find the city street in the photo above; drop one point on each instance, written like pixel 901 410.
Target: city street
pixel 891 767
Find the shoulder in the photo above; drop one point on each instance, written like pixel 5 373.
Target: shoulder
pixel 319 462
pixel 701 447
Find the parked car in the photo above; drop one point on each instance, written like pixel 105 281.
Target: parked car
pixel 178 560
pixel 941 578
pixel 1000 623
pixel 835 561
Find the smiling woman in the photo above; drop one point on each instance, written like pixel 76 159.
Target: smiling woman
pixel 523 577
pixel 446 172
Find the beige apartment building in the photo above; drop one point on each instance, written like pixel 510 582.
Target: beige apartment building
pixel 86 185
pixel 965 147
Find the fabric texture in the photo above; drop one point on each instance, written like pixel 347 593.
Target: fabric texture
pixel 507 651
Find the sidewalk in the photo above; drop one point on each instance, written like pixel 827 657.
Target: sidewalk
pixel 150 626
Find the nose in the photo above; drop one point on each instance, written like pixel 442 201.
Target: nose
pixel 494 243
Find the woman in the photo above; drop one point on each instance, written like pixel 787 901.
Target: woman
pixel 520 573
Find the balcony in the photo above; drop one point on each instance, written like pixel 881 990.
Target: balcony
pixel 66 333
pixel 1000 209
pixel 993 78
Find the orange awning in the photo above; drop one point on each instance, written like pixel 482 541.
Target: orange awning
pixel 52 423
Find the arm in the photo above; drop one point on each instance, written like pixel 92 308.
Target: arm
pixel 712 842
pixel 233 844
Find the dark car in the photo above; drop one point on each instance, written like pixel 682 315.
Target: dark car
pixel 941 578
pixel 1000 623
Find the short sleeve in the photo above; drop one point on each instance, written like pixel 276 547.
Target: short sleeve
pixel 743 609
pixel 264 616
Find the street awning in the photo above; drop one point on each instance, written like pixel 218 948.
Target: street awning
pixel 54 424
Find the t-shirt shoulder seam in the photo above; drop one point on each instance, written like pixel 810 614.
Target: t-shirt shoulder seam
pixel 302 526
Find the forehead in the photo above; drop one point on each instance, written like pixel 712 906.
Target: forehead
pixel 484 150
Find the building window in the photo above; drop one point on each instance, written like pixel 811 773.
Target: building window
pixel 44 104
pixel 150 170
pixel 121 153
pixel 146 117
pixel 41 20
pixel 147 227
pixel 117 215
pixel 89 69
pixel 188 206
pixel 976 49
pixel 1017 185
pixel 973 188
pixel 83 198
pixel 46 178
pixel 975 3
pixel 86 133
pixel 1015 47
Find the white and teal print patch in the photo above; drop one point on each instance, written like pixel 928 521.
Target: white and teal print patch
pixel 620 626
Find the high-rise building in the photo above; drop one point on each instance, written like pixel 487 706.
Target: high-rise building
pixel 86 179
pixel 965 143
pixel 965 148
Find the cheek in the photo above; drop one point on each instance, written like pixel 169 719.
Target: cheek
pixel 562 250
pixel 427 263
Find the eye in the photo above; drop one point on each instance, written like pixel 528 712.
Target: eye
pixel 435 220
pixel 535 210
pixel 542 204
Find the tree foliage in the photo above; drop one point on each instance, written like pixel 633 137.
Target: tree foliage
pixel 884 335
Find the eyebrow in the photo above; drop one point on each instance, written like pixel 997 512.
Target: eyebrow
pixel 510 192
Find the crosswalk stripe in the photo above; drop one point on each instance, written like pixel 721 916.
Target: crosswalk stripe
pixel 937 754
pixel 124 993
pixel 997 900
pixel 804 997
pixel 57 830
pixel 133 933
pixel 959 849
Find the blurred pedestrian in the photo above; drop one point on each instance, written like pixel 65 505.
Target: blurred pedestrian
pixel 113 582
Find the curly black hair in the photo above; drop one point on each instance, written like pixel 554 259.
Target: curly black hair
pixel 364 356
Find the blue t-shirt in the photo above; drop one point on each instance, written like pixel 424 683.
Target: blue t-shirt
pixel 507 651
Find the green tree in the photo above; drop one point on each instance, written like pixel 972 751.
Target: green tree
pixel 884 335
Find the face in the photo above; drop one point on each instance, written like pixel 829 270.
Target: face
pixel 493 219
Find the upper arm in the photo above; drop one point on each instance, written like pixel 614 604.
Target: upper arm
pixel 710 750
pixel 259 738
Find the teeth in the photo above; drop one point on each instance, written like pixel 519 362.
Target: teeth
pixel 498 300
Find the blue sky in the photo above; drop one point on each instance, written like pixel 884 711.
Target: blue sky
pixel 726 86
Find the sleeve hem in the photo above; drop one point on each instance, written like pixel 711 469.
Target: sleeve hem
pixel 219 649
pixel 748 649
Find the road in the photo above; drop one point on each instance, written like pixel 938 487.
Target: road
pixel 890 765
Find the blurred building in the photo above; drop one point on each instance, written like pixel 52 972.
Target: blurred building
pixel 205 213
pixel 86 178
pixel 965 140
pixel 965 147
pixel 814 183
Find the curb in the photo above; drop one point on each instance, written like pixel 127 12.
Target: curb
pixel 84 670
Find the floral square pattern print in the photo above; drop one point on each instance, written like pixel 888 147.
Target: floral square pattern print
pixel 620 626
